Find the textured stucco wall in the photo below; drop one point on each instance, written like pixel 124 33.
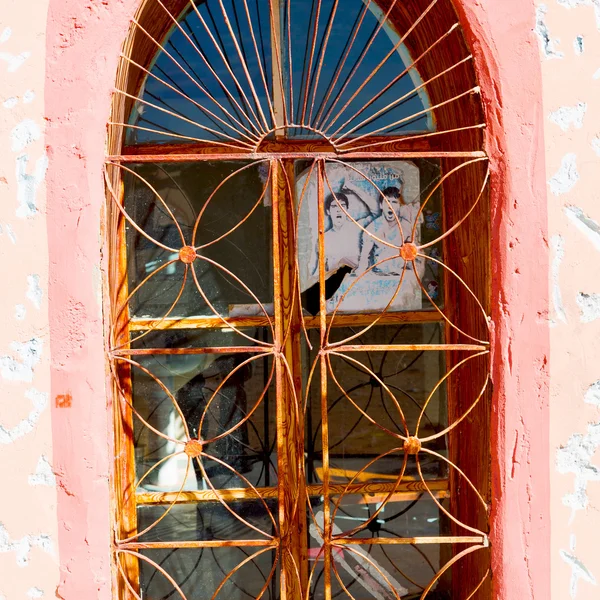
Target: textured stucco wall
pixel 28 524
pixel 569 33
pixel 54 364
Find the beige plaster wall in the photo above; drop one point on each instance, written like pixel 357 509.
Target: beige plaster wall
pixel 569 32
pixel 28 525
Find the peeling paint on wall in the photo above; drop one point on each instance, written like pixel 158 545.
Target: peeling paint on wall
pixel 565 116
pixel 589 305
pixel 21 368
pixel 558 254
pixel 34 291
pixel 589 227
pixel 27 425
pixel 578 569
pixel 547 44
pixel 576 457
pixel 28 185
pixel 566 177
pixel 592 396
pixel 43 474
pixel 22 547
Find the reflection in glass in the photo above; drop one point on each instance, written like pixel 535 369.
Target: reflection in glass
pixel 233 238
pixel 218 390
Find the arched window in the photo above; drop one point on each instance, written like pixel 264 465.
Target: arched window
pixel 298 227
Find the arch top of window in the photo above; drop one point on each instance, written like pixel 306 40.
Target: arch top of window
pixel 239 75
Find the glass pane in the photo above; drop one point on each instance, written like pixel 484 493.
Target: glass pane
pixel 371 209
pixel 226 399
pixel 223 210
pixel 372 398
pixel 226 76
pixel 199 572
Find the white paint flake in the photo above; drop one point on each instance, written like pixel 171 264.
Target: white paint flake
pixel 596 145
pixel 39 401
pixel 9 232
pixel 27 185
pixel 592 396
pixel 567 116
pixel 578 571
pixel 579 45
pixel 28 97
pixel 547 44
pixel 10 103
pixel 590 307
pixel 587 226
pixel 43 474
pixel 577 3
pixel 14 61
pixel 35 592
pixel 596 75
pixel 23 134
pixel 20 368
pixel 23 547
pixel 577 457
pixel 5 35
pixel 566 177
pixel 558 254
pixel 20 312
pixel 34 291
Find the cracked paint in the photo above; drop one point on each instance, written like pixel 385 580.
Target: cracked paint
pixel 21 368
pixel 592 395
pixel 43 474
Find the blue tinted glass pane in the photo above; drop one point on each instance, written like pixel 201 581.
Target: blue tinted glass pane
pixel 234 72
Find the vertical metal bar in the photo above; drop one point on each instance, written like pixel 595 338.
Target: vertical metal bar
pixel 279 104
pixel 323 360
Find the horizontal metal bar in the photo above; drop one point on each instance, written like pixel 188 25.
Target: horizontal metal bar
pixel 196 544
pixel 163 158
pixel 212 350
pixel 380 541
pixel 313 490
pixel 341 320
pixel 406 347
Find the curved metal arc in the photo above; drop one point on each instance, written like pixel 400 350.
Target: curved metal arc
pixel 381 383
pixel 382 63
pixel 451 562
pixel 400 100
pixel 126 215
pixel 243 63
pixel 381 313
pixel 155 192
pixel 125 303
pixel 250 558
pixel 462 417
pixel 226 505
pixel 256 126
pixel 439 384
pixel 382 504
pixel 240 223
pixel 486 318
pixel 463 219
pixel 441 313
pixel 196 83
pixel 391 84
pixel 220 387
pixel 460 472
pixel 144 558
pixel 214 192
pixel 171 505
pixel 439 505
pixel 381 194
pixel 205 110
pixel 219 316
pixel 165 390
pixel 473 90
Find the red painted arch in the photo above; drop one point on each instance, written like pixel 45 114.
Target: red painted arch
pixel 84 40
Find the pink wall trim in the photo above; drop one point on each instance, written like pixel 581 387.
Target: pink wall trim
pixel 83 44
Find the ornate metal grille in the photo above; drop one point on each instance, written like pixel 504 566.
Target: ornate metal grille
pixel 298 234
